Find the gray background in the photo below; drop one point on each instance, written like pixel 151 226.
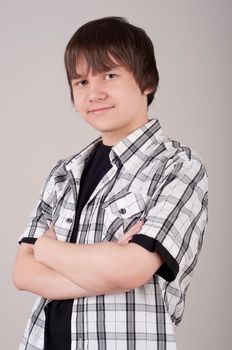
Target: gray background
pixel 192 42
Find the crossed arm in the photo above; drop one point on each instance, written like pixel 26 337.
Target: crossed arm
pixel 58 270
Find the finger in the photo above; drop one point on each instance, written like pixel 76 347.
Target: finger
pixel 132 231
pixel 50 225
pixel 136 228
pixel 127 237
pixel 122 242
pixel 125 240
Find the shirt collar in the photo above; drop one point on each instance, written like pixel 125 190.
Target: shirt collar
pixel 138 146
pixel 130 150
pixel 82 156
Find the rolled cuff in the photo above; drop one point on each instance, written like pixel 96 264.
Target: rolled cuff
pixel 170 268
pixel 29 240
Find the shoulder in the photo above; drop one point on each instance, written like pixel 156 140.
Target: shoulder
pixel 176 162
pixel 179 155
pixel 185 169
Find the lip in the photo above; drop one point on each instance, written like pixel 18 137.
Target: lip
pixel 99 110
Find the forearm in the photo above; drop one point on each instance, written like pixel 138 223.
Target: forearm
pixel 39 279
pixel 101 268
pixel 95 267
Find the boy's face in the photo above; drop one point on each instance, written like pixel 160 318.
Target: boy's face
pixel 111 102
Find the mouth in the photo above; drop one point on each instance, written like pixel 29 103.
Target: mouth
pixel 99 110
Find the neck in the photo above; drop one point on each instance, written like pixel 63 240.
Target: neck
pixel 111 138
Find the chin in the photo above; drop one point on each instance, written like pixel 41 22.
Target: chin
pixel 102 126
pixel 103 130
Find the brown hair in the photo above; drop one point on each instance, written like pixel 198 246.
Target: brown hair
pixel 99 40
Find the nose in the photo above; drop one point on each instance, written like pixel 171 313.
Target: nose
pixel 96 92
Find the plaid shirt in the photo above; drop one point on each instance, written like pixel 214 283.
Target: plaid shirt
pixel 152 176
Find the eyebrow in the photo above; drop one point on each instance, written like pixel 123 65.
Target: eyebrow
pixel 81 75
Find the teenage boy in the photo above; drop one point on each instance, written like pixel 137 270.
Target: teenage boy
pixel 113 241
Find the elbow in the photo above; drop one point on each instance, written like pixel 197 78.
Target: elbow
pixel 132 283
pixel 135 282
pixel 18 286
pixel 17 283
pixel 17 280
pixel 135 279
pixel 21 267
pixel 122 281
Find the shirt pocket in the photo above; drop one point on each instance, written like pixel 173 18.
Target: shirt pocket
pixel 122 211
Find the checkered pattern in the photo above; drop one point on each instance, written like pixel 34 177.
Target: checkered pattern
pixel 153 177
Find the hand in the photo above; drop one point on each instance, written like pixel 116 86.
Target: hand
pixel 41 245
pixel 132 231
pixel 50 233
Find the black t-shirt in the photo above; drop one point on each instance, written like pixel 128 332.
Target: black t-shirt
pixel 58 312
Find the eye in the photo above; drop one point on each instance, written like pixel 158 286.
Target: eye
pixel 82 82
pixel 79 82
pixel 110 76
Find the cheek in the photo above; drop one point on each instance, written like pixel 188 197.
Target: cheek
pixel 130 98
pixel 130 91
pixel 78 101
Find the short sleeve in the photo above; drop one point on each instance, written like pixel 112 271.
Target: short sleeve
pixel 169 269
pixel 177 218
pixel 42 212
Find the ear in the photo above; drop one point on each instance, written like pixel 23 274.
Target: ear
pixel 148 91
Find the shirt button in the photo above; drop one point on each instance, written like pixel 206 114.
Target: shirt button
pixel 122 211
pixel 69 220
